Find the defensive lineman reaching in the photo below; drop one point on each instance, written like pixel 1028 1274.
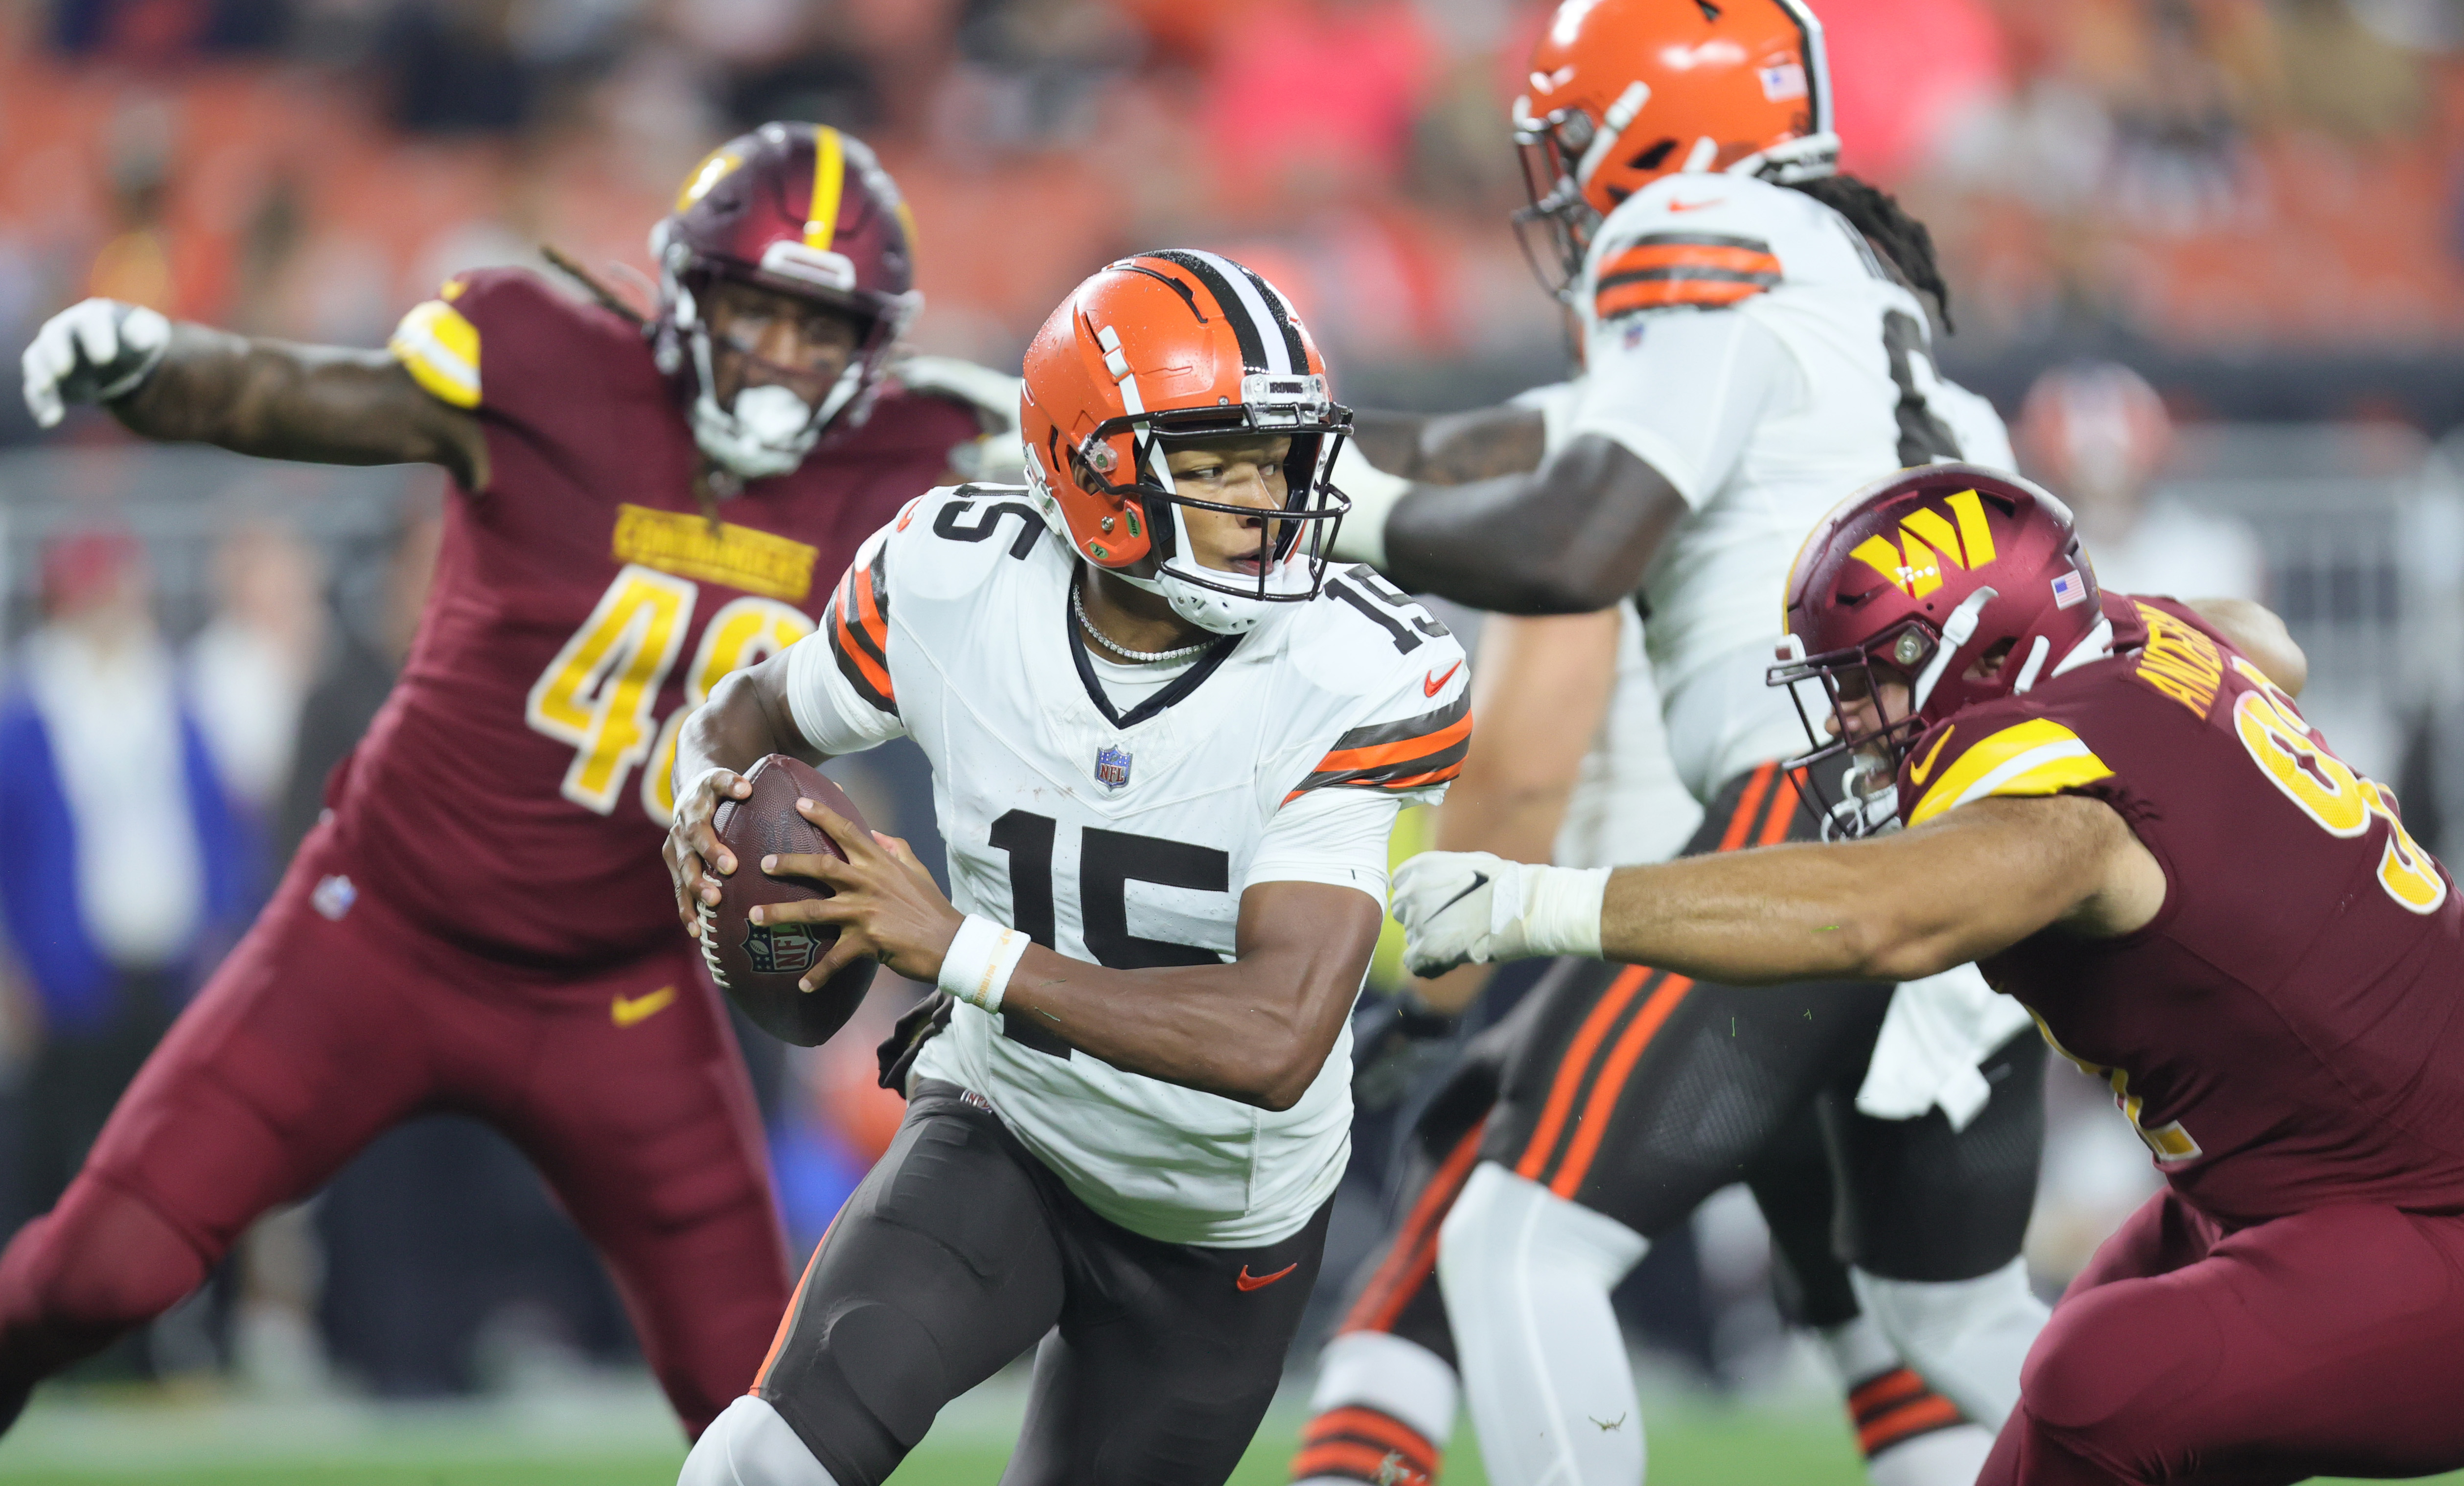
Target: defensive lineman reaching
pixel 2114 805
pixel 1755 343
pixel 480 923
pixel 1168 749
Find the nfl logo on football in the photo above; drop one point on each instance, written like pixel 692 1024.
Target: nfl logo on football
pixel 780 949
pixel 1111 768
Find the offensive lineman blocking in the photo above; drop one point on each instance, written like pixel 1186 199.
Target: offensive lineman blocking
pixel 1168 750
pixel 1753 343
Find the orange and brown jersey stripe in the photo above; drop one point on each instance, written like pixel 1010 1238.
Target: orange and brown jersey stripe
pixel 1410 754
pixel 1896 1406
pixel 1699 269
pixel 1361 1444
pixel 1412 1259
pixel 1619 1028
pixel 859 627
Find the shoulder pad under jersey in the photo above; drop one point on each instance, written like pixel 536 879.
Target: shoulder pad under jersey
pixel 1708 241
pixel 1398 690
pixel 496 337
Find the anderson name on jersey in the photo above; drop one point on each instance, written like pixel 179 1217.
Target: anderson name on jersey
pixel 1743 340
pixel 1123 830
pixel 2283 1035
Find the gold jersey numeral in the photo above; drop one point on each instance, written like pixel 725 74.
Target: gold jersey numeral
pixel 743 634
pixel 2328 792
pixel 599 693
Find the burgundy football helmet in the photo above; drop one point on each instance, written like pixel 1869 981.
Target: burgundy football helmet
pixel 806 210
pixel 1963 583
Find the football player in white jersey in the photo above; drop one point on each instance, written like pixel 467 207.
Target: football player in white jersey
pixel 1169 745
pixel 1754 346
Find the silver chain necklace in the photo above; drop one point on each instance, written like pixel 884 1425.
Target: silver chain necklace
pixel 1142 656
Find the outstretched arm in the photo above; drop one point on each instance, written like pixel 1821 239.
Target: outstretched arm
pixel 1897 908
pixel 1453 448
pixel 275 399
pixel 1570 537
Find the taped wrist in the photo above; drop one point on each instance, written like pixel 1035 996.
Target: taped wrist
pixel 1561 910
pixel 977 966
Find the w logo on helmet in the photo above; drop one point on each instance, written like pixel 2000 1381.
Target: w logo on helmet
pixel 1927 540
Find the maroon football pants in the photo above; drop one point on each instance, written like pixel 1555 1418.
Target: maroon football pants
pixel 624 1087
pixel 2326 1343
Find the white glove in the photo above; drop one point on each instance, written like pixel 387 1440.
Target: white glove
pixel 92 352
pixel 998 459
pixel 1373 493
pixel 1472 908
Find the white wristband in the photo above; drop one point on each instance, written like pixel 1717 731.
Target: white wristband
pixel 977 966
pixel 1561 910
pixel 1373 493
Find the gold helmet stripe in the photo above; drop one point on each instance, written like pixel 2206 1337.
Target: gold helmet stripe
pixel 829 178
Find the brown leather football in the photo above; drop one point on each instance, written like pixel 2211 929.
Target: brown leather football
pixel 758 965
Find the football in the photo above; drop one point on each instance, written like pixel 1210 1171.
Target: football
pixel 758 965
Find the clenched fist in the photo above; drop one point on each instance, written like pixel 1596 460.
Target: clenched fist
pixel 91 352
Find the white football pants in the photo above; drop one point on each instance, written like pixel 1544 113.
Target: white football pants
pixel 1967 1337
pixel 1527 1276
pixel 749 1445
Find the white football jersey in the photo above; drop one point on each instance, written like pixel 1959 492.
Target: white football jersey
pixel 1627 805
pixel 1126 837
pixel 1743 339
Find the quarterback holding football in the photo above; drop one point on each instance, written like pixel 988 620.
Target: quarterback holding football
pixel 1168 743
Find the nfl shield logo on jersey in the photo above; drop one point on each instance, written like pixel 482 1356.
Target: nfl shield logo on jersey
pixel 1111 768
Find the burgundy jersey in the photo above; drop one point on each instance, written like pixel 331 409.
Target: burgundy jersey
pixel 2288 1033
pixel 513 793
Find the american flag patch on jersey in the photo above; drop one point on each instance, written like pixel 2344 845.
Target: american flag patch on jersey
pixel 1111 768
pixel 2069 590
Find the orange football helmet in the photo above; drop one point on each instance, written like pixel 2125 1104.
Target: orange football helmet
pixel 1179 348
pixel 1623 92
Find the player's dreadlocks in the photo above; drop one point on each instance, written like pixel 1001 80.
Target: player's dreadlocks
pixel 1878 214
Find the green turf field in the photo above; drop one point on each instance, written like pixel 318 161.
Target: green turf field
pixel 623 1440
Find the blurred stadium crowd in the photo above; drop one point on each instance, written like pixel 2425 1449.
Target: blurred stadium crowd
pixel 2204 183
pixel 2200 172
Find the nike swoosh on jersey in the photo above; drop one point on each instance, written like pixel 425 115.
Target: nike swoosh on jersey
pixel 1429 687
pixel 1917 775
pixel 1248 1281
pixel 1694 205
pixel 626 1011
